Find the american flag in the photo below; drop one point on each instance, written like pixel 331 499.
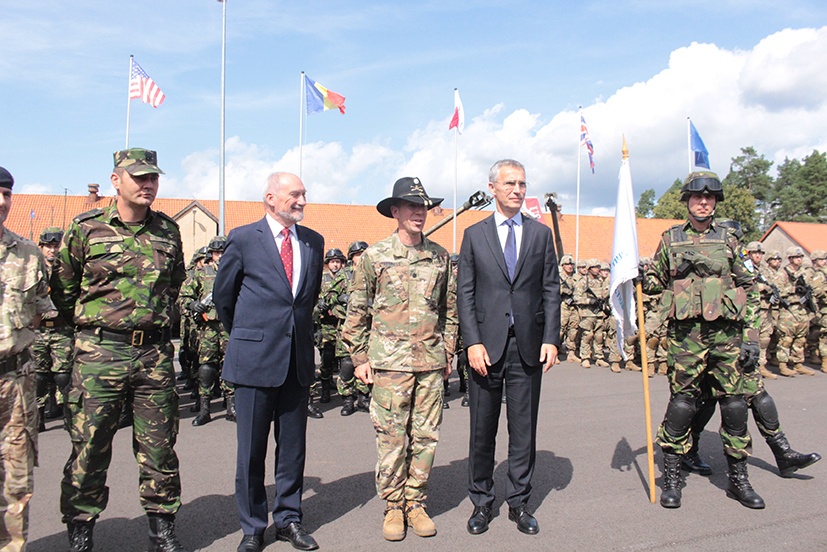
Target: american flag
pixel 586 141
pixel 143 87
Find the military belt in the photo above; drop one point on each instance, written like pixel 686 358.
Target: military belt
pixel 136 338
pixel 12 363
pixel 52 323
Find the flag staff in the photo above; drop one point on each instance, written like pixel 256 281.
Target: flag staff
pixel 689 144
pixel 577 207
pixel 647 408
pixel 302 84
pixel 128 99
pixel 456 177
pixel 222 152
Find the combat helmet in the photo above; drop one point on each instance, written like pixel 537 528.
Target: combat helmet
pixel 566 259
pixel 52 234
pixel 356 248
pixel 818 255
pixel 592 263
pixel 218 243
pixel 334 253
pixel 702 181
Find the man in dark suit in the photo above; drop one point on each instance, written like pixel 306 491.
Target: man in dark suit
pixel 265 291
pixel 508 297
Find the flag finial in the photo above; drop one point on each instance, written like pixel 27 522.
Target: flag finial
pixel 625 148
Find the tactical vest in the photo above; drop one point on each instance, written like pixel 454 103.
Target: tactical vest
pixel 701 280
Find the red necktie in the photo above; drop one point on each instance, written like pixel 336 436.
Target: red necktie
pixel 287 255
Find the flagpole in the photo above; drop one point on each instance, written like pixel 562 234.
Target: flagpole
pixel 128 100
pixel 577 208
pixel 456 179
pixel 689 144
pixel 302 84
pixel 647 408
pixel 222 152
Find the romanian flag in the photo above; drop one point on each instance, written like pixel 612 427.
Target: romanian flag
pixel 320 98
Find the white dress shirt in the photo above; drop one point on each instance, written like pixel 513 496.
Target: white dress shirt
pixel 502 229
pixel 277 228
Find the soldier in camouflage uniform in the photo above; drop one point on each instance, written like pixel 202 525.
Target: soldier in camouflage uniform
pixel 770 299
pixel 819 281
pixel 329 317
pixel 401 331
pixel 569 318
pixel 117 278
pixel 24 298
pixel 355 394
pixel 591 295
pixel 711 306
pixel 53 345
pixel 794 315
pixel 771 272
pixel 196 294
pixel 188 352
pixel 655 327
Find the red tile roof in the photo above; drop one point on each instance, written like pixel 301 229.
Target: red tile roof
pixel 808 235
pixel 339 224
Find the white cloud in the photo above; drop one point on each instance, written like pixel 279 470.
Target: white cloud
pixel 770 97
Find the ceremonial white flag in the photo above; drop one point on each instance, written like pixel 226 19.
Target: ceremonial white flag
pixel 624 265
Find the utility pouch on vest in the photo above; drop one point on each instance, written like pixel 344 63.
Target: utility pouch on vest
pixel 711 292
pixel 686 306
pixel 735 304
pixel 666 308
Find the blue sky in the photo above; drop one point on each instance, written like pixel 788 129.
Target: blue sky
pixel 750 73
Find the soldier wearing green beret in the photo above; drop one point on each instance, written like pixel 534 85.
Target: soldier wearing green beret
pixel 24 298
pixel 117 278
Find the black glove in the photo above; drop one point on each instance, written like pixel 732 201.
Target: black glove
pixel 322 306
pixel 197 307
pixel 638 279
pixel 748 358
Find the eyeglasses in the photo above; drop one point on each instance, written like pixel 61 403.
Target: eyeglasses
pixel 511 184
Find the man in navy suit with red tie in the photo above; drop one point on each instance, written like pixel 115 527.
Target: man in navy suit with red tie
pixel 508 298
pixel 265 291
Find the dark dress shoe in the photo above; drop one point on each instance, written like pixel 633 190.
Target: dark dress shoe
pixel 479 520
pixel 295 534
pixel 251 543
pixel 526 523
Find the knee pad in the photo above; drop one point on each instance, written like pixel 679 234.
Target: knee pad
pixel 42 382
pixel 679 414
pixel 734 414
pixel 765 412
pixel 346 369
pixel 207 374
pixel 63 380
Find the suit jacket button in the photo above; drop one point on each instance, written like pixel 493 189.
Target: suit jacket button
pixel 288 334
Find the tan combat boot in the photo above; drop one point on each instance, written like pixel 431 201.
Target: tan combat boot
pixel 630 365
pixel 586 363
pixel 784 371
pixel 824 365
pixel 419 520
pixel 801 369
pixel 663 368
pixel 616 367
pixel 393 528
pixel 766 373
pixel 602 363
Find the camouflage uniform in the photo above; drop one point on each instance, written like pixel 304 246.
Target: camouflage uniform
pixel 819 282
pixel 119 283
pixel 24 292
pixel 347 384
pixel 711 305
pixel 188 350
pixel 328 315
pixel 591 294
pixel 569 317
pixel 52 349
pixel 793 321
pixel 399 320
pixel 212 339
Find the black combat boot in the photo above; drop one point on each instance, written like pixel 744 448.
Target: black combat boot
pixel 80 535
pixel 52 410
pixel 739 487
pixel 313 410
pixel 230 417
pixel 465 399
pixel 349 406
pixel 196 406
pixel 691 461
pixel 788 459
pixel 363 402
pixel 203 412
pixel 324 398
pixel 162 534
pixel 672 483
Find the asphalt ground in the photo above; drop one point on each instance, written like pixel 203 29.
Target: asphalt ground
pixel 590 485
